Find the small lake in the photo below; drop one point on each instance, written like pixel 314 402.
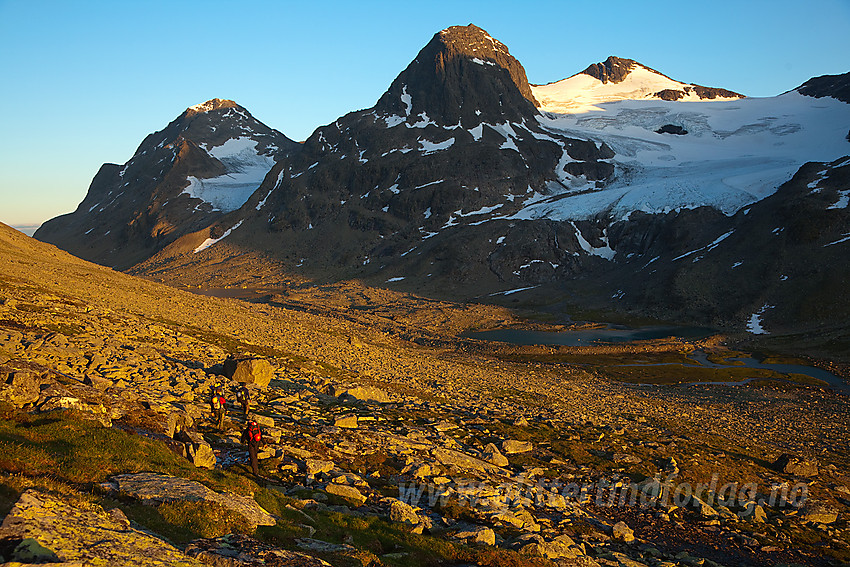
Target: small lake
pixel 603 336
pixel 590 337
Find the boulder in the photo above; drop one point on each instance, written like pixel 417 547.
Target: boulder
pixel 201 455
pixel 347 492
pixel 263 420
pixel 622 532
pixel 403 513
pixel 176 422
pixel 512 446
pixel 477 534
pixel 19 387
pixel 491 454
pixel 316 466
pixel 798 466
pixel 249 370
pixel 346 422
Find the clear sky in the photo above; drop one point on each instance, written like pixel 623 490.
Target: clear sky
pixel 83 82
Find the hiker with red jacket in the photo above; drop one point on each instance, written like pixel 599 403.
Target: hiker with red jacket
pixel 253 436
pixel 217 406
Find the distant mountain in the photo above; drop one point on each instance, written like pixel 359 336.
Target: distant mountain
pixel 618 79
pixel 464 181
pixel 205 163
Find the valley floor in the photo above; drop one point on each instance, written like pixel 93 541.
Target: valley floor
pixel 522 451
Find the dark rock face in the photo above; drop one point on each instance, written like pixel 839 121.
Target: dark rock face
pixel 463 76
pixel 672 129
pixel 130 212
pixel 613 69
pixel 836 86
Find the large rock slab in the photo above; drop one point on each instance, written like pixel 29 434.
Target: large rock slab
pixel 362 393
pixel 257 371
pixel 798 466
pixel 237 550
pixel 71 534
pixel 464 461
pixel 153 489
pixel 347 492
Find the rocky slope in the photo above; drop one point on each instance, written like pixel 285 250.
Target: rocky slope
pixel 389 450
pixel 205 163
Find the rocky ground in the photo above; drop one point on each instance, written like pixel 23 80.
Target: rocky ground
pixel 388 440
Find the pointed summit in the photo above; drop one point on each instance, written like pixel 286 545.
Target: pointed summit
pixel 463 75
pixel 613 69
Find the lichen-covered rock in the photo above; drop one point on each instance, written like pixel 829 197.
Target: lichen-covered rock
pixel 347 492
pixel 316 466
pixel 237 550
pixel 152 489
pixel 403 513
pixel 19 387
pixel 50 529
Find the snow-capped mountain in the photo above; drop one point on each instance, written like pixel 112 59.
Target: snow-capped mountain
pixel 205 163
pixel 618 79
pixel 616 187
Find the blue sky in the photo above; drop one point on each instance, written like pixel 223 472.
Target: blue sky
pixel 83 82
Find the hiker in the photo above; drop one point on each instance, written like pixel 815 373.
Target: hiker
pixel 253 436
pixel 243 396
pixel 217 406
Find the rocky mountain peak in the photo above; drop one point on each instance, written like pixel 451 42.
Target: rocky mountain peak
pixel 212 104
pixel 462 75
pixel 614 69
pixel 835 86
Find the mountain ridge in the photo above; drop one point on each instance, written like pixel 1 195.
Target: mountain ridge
pixel 455 184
